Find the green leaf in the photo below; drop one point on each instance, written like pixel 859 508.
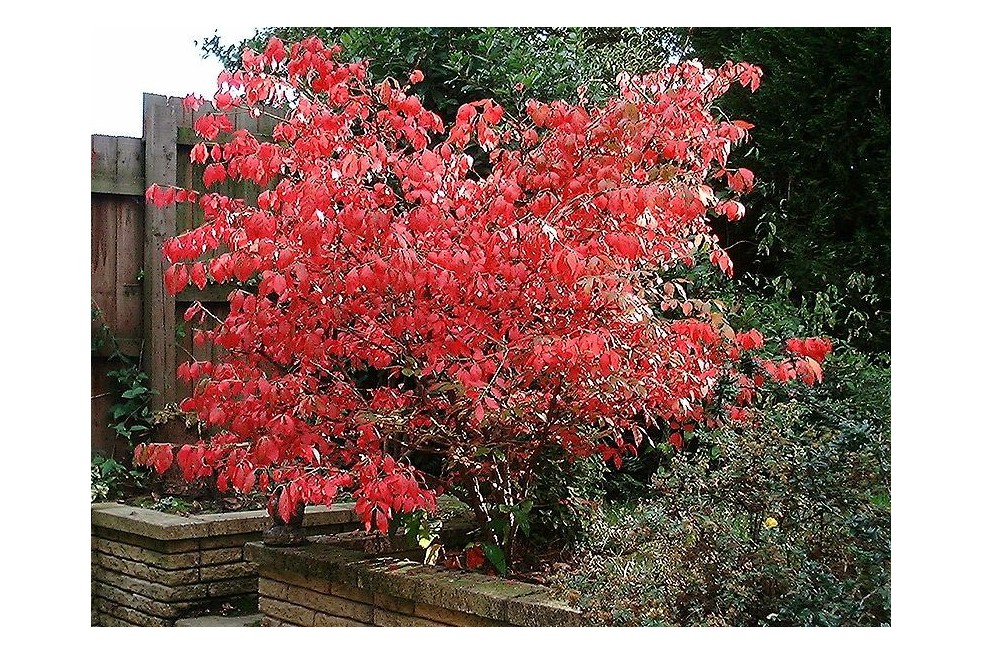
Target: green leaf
pixel 134 392
pixel 496 556
pixel 499 526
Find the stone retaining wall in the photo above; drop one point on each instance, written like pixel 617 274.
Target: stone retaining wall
pixel 151 569
pixel 325 584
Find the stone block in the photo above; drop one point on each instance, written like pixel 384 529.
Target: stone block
pixel 143 571
pixel 299 580
pixel 221 556
pixel 110 621
pixel 394 619
pixel 129 615
pixel 274 589
pixel 163 560
pixel 286 612
pixel 453 617
pixel 352 593
pixel 154 590
pixel 158 545
pixel 141 603
pixel 227 571
pixel 149 523
pixel 326 620
pixel 394 603
pixel 542 610
pixel 227 540
pixel 334 605
pixel 325 603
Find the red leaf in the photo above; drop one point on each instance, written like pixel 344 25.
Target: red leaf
pixel 214 174
pixel 199 153
pixel 244 267
pixel 198 275
pixel 175 279
pixel 192 102
pixel 474 557
pixel 163 458
pixel 279 284
pixel 286 506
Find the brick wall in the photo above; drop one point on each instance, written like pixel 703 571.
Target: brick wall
pixel 324 583
pixel 151 569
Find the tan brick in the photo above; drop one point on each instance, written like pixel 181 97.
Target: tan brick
pixel 453 617
pixel 394 603
pixel 542 610
pixel 227 571
pixel 274 589
pixel 128 614
pixel 158 545
pixel 326 620
pixel 394 619
pixel 110 621
pixel 154 590
pixel 351 593
pixel 286 612
pixel 327 604
pixel 146 555
pixel 140 603
pixel 147 572
pixel 335 605
pixel 269 622
pixel 298 580
pixel 228 541
pixel 221 556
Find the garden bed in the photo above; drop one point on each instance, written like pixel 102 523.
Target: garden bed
pixel 327 583
pixel 150 568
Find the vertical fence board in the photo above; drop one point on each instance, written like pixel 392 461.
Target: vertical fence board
pixel 129 267
pixel 104 258
pixel 160 141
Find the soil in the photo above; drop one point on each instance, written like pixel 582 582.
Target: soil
pixel 191 506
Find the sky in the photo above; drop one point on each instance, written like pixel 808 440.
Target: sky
pixel 164 61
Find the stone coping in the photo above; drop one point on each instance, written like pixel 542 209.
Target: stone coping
pixel 170 527
pixel 499 599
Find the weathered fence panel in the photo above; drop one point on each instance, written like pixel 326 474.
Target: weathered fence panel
pixel 128 293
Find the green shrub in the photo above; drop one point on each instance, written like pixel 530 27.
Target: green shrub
pixel 111 480
pixel 562 496
pixel 783 521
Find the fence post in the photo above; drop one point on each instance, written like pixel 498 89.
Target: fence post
pixel 160 118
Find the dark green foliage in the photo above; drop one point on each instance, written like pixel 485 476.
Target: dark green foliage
pixel 130 416
pixel 784 521
pixel 821 154
pixel 562 497
pixel 111 480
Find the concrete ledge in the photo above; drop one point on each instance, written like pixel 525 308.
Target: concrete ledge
pixel 169 527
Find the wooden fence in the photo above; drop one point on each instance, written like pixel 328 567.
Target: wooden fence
pixel 127 265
